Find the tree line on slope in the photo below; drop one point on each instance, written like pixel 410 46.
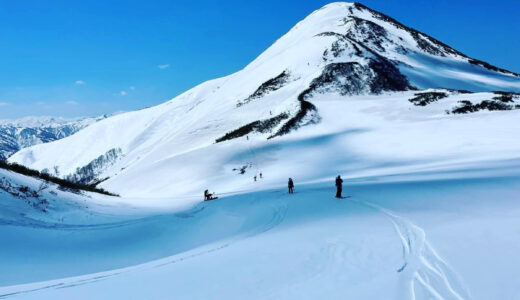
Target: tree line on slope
pixel 64 184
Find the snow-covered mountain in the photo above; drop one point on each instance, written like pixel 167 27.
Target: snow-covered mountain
pixel 425 138
pixel 346 70
pixel 28 131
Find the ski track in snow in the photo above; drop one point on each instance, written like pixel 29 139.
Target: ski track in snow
pixel 39 224
pixel 69 282
pixel 424 274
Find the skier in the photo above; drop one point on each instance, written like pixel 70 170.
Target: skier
pixel 290 184
pixel 208 196
pixel 339 187
pixel 260 175
pixel 254 177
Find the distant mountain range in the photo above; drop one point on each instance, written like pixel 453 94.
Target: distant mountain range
pixel 21 133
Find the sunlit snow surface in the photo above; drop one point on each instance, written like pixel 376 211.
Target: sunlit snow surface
pixel 441 239
pixel 431 213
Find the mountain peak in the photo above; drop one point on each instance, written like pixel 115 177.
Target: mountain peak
pixel 339 51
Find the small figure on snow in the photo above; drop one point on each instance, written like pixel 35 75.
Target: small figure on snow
pixel 254 177
pixel 290 184
pixel 208 196
pixel 261 175
pixel 339 187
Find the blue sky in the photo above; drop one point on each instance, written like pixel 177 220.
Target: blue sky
pixel 87 58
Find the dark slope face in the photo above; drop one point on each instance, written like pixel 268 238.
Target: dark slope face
pixel 364 52
pixel 425 42
pixel 364 59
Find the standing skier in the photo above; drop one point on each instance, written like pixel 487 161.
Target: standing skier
pixel 290 184
pixel 339 187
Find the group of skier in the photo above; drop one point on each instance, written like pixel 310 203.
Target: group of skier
pixel 339 186
pixel 254 177
pixel 290 184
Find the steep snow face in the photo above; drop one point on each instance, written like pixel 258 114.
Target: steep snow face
pixel 29 131
pixel 346 70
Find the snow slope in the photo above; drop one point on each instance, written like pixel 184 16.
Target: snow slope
pixel 323 71
pixel 420 238
pixel 432 211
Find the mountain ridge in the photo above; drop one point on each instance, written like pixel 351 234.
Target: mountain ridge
pixel 16 134
pixel 343 50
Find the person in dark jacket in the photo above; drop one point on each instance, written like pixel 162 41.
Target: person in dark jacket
pixel 339 187
pixel 208 196
pixel 290 184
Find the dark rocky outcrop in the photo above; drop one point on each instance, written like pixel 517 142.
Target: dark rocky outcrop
pixel 265 88
pixel 352 78
pixel 88 174
pixel 491 105
pixel 261 126
pixel 423 99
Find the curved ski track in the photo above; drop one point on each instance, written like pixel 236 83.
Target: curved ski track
pixel 424 274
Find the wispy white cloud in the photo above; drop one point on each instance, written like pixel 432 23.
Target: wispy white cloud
pixel 123 93
pixel 132 88
pixel 165 66
pixel 4 103
pixel 79 82
pixel 71 102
